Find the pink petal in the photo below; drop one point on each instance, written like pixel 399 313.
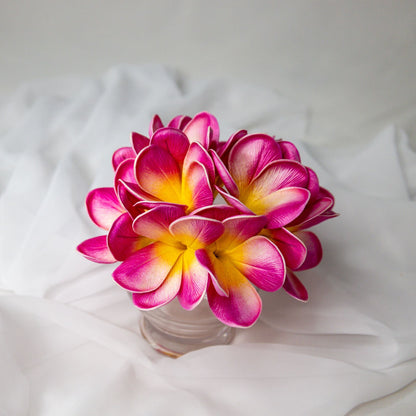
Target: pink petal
pixel 240 228
pixel 164 293
pixel 277 175
pixel 197 129
pixel 225 149
pixel 155 125
pixel 324 193
pixel 121 155
pixel 125 172
pixel 196 232
pixel 153 204
pixel 172 140
pixel 154 224
pixel 103 207
pixel 197 153
pixel 139 142
pixel 282 206
pixel 206 260
pixel 260 261
pixel 327 215
pixel 234 202
pixel 241 308
pixel 250 156
pixel 312 213
pixel 216 212
pixel 179 122
pixel 122 240
pixel 194 281
pixel 129 198
pixel 224 175
pixel 292 248
pixel 289 150
pixel 146 269
pixel 158 174
pixel 313 249
pixel 313 183
pixel 197 190
pixel 96 249
pixel 294 287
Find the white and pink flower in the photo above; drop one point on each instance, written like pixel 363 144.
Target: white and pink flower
pixel 161 223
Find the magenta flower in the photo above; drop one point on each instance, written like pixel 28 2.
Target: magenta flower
pixel 161 224
pixel 260 182
pixel 237 261
pixel 203 129
pixel 168 267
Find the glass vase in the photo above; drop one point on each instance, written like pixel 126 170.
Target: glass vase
pixel 175 331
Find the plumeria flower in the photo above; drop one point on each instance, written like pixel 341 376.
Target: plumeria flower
pixel 203 129
pixel 171 169
pixel 237 262
pixel 260 182
pixel 160 223
pixel 168 267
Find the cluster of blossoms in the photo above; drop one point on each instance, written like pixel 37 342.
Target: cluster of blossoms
pixel 172 240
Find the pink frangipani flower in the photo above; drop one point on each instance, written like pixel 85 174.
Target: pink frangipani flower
pixel 161 223
pixel 236 261
pixel 260 183
pixel 168 267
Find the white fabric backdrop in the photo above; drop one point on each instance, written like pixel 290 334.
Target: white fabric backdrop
pixel 69 337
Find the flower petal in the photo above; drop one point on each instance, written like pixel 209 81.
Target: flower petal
pixel 197 153
pixel 260 261
pixel 242 306
pixel 172 140
pixel 154 204
pixel 289 150
pixel 179 122
pixel 196 232
pixel 292 248
pixel 294 287
pixel 310 216
pixel 103 207
pixel 122 240
pixel 122 154
pixel 125 172
pixel 282 206
pixel 158 174
pixel 196 191
pixel 225 148
pixel 238 229
pixel 164 293
pixel 277 175
pixel 225 176
pixel 154 224
pixel 129 198
pixel 216 212
pixel 194 281
pixel 313 249
pixel 139 142
pixel 205 260
pixel 197 129
pixel 313 183
pixel 155 125
pixel 96 249
pixel 249 157
pixel 234 202
pixel 146 270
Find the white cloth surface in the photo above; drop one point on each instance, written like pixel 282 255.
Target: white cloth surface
pixel 69 339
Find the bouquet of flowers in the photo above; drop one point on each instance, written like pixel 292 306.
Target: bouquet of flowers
pixel 161 222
